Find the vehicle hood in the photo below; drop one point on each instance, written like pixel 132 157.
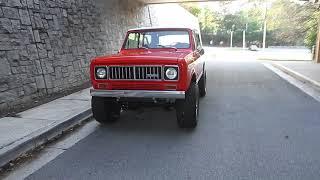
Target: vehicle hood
pixel 143 57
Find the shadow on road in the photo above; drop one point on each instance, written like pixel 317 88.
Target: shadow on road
pixel 146 120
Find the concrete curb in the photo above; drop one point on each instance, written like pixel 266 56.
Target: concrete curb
pixel 40 137
pixel 296 75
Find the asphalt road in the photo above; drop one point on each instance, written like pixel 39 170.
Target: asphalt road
pixel 253 125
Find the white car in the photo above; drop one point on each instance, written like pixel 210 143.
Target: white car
pixel 253 48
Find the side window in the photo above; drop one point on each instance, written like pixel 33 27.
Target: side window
pixel 133 41
pixel 146 40
pixel 198 42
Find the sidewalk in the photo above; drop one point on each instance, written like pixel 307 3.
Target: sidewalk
pixel 305 71
pixel 34 127
pixel 280 54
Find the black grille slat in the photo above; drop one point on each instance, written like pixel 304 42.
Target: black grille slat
pixel 145 73
pixel 135 72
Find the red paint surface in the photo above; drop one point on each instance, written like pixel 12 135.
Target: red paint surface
pixel 188 61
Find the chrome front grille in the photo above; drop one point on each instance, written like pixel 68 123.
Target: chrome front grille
pixel 148 72
pixel 121 72
pixel 135 72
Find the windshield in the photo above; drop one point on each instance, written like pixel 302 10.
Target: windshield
pixel 158 39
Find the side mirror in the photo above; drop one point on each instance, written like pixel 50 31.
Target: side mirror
pixel 201 51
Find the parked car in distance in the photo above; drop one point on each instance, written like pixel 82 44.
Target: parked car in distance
pixel 158 66
pixel 253 48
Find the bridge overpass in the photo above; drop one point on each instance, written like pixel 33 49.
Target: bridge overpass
pixel 173 1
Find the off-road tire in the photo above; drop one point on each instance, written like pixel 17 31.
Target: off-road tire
pixel 203 84
pixel 105 110
pixel 187 110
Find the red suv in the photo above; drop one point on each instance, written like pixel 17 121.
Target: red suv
pixel 163 66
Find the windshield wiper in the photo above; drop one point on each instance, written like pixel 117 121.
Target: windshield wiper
pixel 163 46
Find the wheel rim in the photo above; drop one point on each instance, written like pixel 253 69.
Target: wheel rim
pixel 197 108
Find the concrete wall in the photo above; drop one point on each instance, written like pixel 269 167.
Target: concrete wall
pixel 46 45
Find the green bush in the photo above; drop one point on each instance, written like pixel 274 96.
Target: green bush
pixel 312 30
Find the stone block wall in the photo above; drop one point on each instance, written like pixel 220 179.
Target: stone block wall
pixel 46 45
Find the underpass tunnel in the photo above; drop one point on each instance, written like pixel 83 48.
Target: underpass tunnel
pixel 47 46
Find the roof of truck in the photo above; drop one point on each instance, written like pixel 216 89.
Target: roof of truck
pixel 161 28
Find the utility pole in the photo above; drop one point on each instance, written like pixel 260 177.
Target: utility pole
pixel 244 37
pixel 244 40
pixel 265 25
pixel 231 39
pixel 231 36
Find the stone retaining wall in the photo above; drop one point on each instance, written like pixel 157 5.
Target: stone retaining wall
pixel 46 45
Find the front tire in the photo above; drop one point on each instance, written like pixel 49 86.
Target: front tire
pixel 203 84
pixel 105 110
pixel 188 109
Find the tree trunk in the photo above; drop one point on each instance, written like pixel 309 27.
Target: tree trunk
pixel 317 53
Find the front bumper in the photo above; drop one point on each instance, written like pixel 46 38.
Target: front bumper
pixel 138 94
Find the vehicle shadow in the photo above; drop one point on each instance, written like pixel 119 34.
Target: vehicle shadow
pixel 153 119
pixel 151 122
pixel 146 120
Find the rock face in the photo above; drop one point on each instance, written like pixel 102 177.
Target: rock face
pixel 46 45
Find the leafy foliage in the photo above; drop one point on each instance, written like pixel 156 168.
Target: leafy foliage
pixel 311 29
pixel 288 23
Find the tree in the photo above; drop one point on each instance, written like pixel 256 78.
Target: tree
pixel 192 8
pixel 289 23
pixel 311 29
pixel 209 20
pixel 292 23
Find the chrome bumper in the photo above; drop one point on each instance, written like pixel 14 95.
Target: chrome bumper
pixel 137 94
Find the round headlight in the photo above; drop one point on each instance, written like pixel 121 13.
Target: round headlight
pixel 101 73
pixel 171 73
